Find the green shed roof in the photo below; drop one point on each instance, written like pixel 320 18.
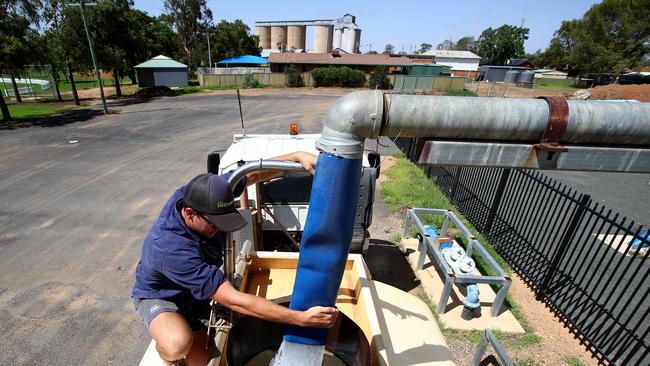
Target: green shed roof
pixel 161 61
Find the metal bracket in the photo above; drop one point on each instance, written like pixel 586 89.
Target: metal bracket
pixel 221 319
pixel 558 117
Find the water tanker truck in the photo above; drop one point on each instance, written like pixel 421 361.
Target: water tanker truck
pixel 382 325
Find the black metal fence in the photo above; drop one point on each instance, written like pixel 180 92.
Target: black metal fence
pixel 581 258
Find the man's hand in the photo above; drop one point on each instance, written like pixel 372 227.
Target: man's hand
pixel 243 303
pixel 307 160
pixel 319 317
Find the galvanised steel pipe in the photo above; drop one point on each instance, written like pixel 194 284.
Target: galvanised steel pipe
pixel 369 114
pixel 253 166
pixel 510 119
pixel 233 180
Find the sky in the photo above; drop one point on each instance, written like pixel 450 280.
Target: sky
pixel 406 23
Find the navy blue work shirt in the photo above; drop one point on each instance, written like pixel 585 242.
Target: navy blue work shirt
pixel 175 260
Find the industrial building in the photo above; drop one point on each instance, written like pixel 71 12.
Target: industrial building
pixel 462 63
pixel 507 74
pixel 306 62
pixel 329 34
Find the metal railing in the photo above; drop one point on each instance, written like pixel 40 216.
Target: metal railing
pixel 427 248
pixel 584 260
pixel 489 338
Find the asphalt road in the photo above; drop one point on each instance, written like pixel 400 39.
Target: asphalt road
pixel 73 215
pixel 625 193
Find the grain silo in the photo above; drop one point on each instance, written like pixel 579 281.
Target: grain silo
pixel 338 38
pixel 279 37
pixel 264 34
pixel 323 38
pixel 296 37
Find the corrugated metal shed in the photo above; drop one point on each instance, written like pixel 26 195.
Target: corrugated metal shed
pixel 161 61
pixel 452 54
pixel 428 70
pixel 161 71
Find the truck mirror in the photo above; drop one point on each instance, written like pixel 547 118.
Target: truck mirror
pixel 213 162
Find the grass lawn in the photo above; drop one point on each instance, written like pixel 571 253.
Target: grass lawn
pixel 85 82
pixel 408 186
pixel 461 93
pixel 81 82
pixel 554 84
pixel 25 111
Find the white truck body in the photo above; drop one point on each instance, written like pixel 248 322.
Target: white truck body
pixel 288 203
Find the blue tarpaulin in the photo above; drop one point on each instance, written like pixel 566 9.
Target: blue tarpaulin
pixel 245 60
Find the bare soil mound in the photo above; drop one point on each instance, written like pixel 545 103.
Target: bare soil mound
pixel 640 92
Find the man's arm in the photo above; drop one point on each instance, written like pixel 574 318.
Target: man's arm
pixel 307 160
pixel 317 316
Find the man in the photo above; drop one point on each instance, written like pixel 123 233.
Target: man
pixel 178 273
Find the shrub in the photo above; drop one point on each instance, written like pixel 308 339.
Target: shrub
pixel 378 79
pixel 338 76
pixel 293 78
pixel 250 81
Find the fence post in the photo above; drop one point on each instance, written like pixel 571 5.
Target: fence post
pixel 505 174
pixel 452 195
pixel 564 244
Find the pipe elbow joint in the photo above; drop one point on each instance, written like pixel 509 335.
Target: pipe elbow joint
pixel 354 117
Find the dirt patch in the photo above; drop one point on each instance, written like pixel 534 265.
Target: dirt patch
pixel 557 342
pixel 604 92
pixel 616 91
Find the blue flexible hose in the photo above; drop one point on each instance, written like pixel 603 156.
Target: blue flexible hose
pixel 325 242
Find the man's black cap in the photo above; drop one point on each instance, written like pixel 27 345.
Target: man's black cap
pixel 210 195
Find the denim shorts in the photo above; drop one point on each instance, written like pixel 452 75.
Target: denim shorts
pixel 197 313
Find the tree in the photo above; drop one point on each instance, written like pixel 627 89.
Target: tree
pixel 53 47
pixel 611 37
pixel 293 78
pixel 389 49
pixel 229 39
pixel 118 40
pixel 447 44
pixel 378 78
pixel 16 40
pixel 496 46
pixel 160 37
pixel 424 47
pixel 72 44
pixel 190 18
pixel 467 43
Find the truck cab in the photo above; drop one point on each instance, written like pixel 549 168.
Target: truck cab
pixel 279 207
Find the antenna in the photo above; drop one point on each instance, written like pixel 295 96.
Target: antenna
pixel 241 116
pixel 523 17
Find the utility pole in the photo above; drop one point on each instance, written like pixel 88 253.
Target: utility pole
pixel 209 55
pixel 92 51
